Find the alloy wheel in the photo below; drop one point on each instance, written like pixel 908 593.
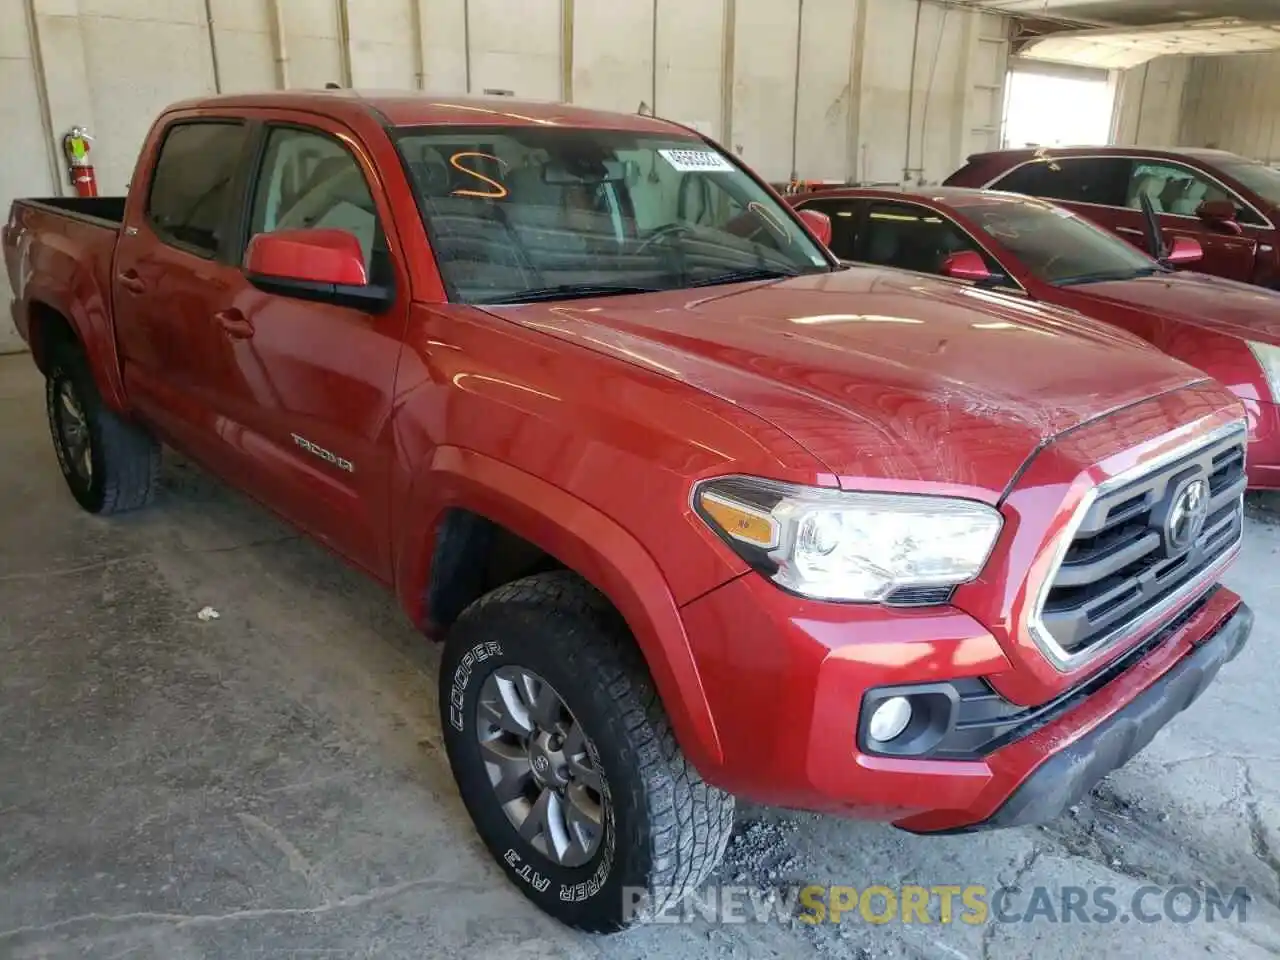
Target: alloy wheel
pixel 73 431
pixel 540 766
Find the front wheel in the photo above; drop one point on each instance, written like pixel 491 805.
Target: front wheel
pixel 565 758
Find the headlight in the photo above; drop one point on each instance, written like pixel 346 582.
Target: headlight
pixel 1268 358
pixel 836 545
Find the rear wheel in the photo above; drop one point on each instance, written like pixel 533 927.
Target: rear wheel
pixel 110 464
pixel 565 758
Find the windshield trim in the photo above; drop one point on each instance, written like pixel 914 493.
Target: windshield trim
pixel 398 132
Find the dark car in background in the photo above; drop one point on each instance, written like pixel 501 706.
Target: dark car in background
pixel 1229 204
pixel 1011 245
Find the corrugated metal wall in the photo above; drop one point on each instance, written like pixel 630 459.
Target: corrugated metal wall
pixel 1234 103
pixel 888 90
pixel 1230 102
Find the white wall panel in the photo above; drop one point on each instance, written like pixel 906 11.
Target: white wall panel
pixel 383 39
pixel 1149 103
pixel 444 50
pixel 24 158
pixel 515 45
pixel 613 54
pixel 764 84
pixel 311 41
pixel 690 61
pixel 826 50
pixel 1233 103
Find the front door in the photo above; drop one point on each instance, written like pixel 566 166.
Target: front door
pixel 1176 192
pixel 304 387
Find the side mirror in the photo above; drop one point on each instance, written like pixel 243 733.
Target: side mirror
pixel 819 225
pixel 1184 250
pixel 307 256
pixel 324 265
pixel 966 265
pixel 1219 213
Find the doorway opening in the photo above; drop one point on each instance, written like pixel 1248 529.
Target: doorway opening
pixel 1050 106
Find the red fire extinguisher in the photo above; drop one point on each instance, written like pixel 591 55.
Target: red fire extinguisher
pixel 76 146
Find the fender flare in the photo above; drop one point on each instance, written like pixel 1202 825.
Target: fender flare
pixel 583 539
pixel 85 309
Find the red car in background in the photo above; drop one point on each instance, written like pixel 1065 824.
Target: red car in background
pixel 1229 204
pixel 1019 246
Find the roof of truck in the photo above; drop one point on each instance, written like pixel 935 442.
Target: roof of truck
pixel 412 108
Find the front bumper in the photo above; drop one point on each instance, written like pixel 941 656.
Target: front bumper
pixel 785 679
pixel 1066 776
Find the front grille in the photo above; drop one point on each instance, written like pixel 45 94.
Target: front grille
pixel 1125 563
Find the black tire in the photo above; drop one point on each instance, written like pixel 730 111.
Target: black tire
pixel 124 460
pixel 665 829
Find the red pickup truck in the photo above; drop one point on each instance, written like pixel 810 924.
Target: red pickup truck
pixel 698 511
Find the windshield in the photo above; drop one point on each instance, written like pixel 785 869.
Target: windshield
pixel 519 213
pixel 1056 245
pixel 1262 180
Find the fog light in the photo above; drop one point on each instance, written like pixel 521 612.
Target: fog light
pixel 889 719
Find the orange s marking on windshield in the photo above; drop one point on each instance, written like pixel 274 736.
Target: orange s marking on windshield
pixel 498 191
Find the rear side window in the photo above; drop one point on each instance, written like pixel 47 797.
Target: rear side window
pixel 1101 180
pixel 191 184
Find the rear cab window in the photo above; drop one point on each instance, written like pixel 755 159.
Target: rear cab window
pixel 190 199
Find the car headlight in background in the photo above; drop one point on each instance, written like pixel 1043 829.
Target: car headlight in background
pixel 840 545
pixel 1268 358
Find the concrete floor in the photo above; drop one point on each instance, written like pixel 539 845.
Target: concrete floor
pixel 272 783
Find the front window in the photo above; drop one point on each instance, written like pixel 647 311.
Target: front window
pixel 1261 179
pixel 1055 245
pixel 540 212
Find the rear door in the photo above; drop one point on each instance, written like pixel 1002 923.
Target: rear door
pixel 1093 187
pixel 173 268
pixel 303 385
pixel 1176 192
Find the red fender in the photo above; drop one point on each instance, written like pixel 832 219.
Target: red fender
pixel 586 541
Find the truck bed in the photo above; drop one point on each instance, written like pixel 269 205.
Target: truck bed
pixel 105 211
pixel 59 250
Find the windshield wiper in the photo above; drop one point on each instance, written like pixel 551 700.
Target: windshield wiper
pixel 570 291
pixel 1104 275
pixel 740 276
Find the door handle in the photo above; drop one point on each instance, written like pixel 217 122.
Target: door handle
pixel 234 323
pixel 132 282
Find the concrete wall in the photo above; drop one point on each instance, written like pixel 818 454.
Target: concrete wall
pixel 1234 103
pixel 868 90
pixel 1148 105
pixel 1230 102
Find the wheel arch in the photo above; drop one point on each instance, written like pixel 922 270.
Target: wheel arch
pixel 574 535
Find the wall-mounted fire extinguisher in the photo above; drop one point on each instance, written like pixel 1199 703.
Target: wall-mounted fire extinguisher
pixel 76 146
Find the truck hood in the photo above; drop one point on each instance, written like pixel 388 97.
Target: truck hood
pixel 1211 303
pixel 881 375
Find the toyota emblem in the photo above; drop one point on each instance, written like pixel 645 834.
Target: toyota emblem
pixel 1187 516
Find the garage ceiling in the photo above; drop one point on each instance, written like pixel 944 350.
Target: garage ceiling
pixel 1118 34
pixel 1134 13
pixel 1122 49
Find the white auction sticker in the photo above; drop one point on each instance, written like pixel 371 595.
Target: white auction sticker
pixel 697 161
